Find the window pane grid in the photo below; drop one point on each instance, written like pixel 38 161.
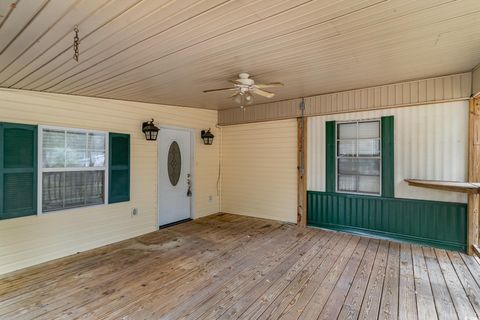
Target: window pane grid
pixel 358 157
pixel 73 168
pixel 73 149
pixel 62 190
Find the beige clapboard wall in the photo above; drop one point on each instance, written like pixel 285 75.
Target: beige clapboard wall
pixel 259 169
pixel 31 240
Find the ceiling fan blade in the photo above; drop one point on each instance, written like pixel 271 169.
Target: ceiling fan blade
pixel 221 89
pixel 263 93
pixel 269 85
pixel 235 94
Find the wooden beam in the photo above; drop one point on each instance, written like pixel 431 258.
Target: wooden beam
pixel 473 173
pixel 302 172
pixel 476 249
pixel 454 186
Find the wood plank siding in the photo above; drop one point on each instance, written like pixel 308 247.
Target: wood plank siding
pixel 234 267
pixel 426 91
pixel 168 52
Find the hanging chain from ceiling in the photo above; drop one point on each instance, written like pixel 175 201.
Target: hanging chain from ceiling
pixel 76 42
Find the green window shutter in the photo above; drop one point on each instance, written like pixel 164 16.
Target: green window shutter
pixel 330 161
pixel 388 178
pixel 18 170
pixel 119 168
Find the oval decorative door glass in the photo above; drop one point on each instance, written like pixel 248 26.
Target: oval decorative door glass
pixel 174 163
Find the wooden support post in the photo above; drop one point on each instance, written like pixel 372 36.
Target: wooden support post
pixel 302 172
pixel 473 209
pixel 473 173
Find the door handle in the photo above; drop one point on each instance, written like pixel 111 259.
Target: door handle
pixel 189 183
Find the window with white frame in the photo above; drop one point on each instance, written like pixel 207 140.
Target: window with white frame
pixel 359 157
pixel 73 168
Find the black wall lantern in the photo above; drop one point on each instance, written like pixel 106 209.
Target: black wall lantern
pixel 150 130
pixel 207 137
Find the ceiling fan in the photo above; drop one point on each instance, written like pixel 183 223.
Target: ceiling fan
pixel 245 87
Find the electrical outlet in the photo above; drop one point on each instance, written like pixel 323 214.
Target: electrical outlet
pixel 134 212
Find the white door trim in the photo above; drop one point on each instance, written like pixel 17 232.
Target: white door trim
pixel 192 170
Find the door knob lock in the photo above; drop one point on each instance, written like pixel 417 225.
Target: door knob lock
pixel 189 183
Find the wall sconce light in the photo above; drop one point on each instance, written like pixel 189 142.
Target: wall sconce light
pixel 207 137
pixel 150 130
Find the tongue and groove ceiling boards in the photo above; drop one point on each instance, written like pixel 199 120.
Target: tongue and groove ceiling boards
pixel 168 52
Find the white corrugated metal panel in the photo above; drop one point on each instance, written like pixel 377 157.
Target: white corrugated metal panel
pixel 34 239
pixel 430 143
pixel 476 81
pixel 447 88
pixel 259 175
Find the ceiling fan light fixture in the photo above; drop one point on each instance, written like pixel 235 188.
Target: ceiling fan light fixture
pixel 238 98
pixel 245 87
pixel 244 98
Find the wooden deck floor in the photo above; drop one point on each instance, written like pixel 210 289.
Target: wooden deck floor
pixel 227 266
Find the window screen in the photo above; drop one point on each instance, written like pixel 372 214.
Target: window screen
pixel 73 168
pixel 359 157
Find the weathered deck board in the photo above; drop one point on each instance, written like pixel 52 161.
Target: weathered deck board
pixel 233 267
pixel 332 307
pixel 273 307
pixel 458 294
pixel 295 308
pixel 389 305
pixel 469 284
pixel 423 288
pixel 320 296
pixel 407 304
pixel 373 294
pixel 353 302
pixel 443 302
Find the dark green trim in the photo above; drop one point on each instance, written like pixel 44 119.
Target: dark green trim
pixel 330 153
pixel 119 168
pixel 388 164
pixel 19 167
pixel 433 223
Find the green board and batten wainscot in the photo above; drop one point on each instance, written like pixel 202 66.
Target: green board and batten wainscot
pixel 440 224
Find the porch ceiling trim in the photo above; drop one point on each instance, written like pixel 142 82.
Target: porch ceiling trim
pixel 424 91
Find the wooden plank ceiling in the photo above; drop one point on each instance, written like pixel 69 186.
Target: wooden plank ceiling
pixel 168 52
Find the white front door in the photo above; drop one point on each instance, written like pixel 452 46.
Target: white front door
pixel 174 180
